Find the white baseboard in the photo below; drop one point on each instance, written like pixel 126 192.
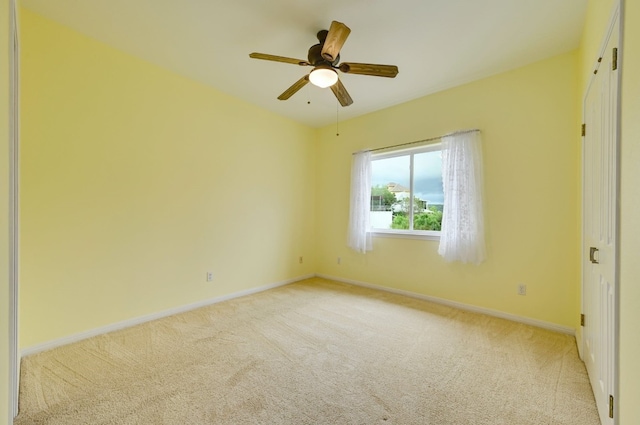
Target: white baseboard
pixel 461 306
pixel 143 319
pixel 181 309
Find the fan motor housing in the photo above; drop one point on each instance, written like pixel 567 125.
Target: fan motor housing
pixel 315 56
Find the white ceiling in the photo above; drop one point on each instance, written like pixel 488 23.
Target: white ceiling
pixel 436 44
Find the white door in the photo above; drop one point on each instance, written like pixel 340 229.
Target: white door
pixel 600 186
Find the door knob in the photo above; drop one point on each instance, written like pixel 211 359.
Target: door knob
pixel 592 254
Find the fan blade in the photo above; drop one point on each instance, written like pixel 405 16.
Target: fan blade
pixel 338 33
pixel 389 71
pixel 294 88
pixel 278 59
pixel 341 93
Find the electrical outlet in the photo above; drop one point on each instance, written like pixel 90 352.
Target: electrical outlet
pixel 209 276
pixel 522 289
pixel 300 259
pixel 339 261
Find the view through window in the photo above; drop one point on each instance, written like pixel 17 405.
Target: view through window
pixel 406 190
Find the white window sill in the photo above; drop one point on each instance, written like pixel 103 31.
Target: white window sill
pixel 415 234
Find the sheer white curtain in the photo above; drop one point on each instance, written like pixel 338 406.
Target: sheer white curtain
pixel 359 238
pixel 462 235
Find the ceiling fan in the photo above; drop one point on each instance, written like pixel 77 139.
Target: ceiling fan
pixel 324 57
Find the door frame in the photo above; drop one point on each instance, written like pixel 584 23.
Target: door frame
pixel 616 17
pixel 14 144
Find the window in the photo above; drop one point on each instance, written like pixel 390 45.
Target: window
pixel 407 197
pixel 413 178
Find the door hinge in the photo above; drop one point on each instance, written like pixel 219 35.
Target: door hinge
pixel 610 406
pixel 584 130
pixel 614 59
pixel 582 320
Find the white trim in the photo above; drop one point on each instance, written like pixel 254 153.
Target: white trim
pixel 432 235
pixel 618 16
pixel 404 151
pixel 467 307
pixel 153 316
pixel 619 13
pixel 14 138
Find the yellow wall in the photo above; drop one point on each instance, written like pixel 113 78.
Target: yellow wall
pixel 135 182
pixel 4 213
pixel 531 159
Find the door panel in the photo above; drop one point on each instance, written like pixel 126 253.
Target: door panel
pixel 600 227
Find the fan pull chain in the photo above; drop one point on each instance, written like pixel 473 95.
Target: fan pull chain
pixel 337 118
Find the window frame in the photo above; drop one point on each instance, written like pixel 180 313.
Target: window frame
pixel 410 233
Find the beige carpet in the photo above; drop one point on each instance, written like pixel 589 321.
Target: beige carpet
pixel 314 352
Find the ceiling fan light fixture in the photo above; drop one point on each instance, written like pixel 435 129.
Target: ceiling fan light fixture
pixel 323 77
pixel 324 58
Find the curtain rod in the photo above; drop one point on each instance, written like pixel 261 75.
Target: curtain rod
pixel 418 141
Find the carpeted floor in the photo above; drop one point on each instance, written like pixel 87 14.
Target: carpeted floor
pixel 314 352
